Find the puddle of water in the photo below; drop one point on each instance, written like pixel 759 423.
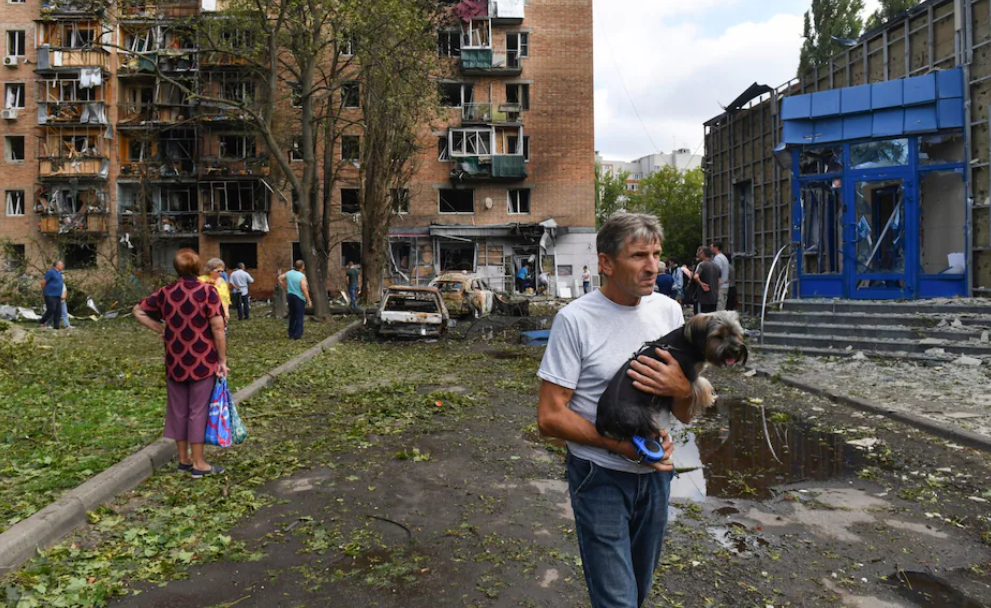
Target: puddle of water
pixel 736 462
pixel 736 539
pixel 927 590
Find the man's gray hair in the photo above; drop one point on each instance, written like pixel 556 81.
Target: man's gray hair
pixel 622 227
pixel 214 263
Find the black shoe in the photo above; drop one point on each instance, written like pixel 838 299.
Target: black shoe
pixel 184 468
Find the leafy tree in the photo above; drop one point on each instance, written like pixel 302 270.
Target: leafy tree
pixel 676 198
pixel 611 195
pixel 826 19
pixel 887 10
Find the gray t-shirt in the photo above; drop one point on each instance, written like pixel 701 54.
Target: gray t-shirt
pixel 723 263
pixel 590 341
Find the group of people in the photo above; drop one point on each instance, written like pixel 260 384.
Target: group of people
pixel 233 289
pixel 710 286
pixel 525 274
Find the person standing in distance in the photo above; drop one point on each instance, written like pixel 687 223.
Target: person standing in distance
pixel 240 279
pixel 52 286
pixel 721 261
pixel 586 280
pixel 620 502
pixel 707 277
pixel 352 274
pixel 294 282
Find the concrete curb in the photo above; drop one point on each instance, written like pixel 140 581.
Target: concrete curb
pixel 49 525
pixel 959 436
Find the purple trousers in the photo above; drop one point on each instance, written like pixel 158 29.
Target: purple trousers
pixel 187 408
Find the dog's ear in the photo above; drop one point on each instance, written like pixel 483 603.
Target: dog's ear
pixel 697 330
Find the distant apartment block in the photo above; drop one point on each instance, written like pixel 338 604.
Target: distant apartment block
pixel 681 159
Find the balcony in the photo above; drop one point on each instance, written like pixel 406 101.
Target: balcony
pixel 80 223
pixel 52 58
pixel 235 207
pixel 72 113
pixel 491 114
pixel 499 168
pixel 93 167
pixel 143 114
pixel 235 167
pixel 73 7
pixel 153 10
pixel 158 169
pixel 486 62
pixel 167 60
pixel 162 225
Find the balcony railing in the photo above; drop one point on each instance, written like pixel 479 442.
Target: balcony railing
pixel 158 9
pixel 498 168
pixel 72 112
pixel 222 167
pixel 74 166
pixel 489 113
pixel 162 224
pixel 50 58
pixel 157 169
pixel 81 223
pixel 75 7
pixel 132 114
pixel 488 62
pixel 235 222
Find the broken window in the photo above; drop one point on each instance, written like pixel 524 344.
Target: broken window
pixel 350 148
pixel 519 201
pixel 880 230
pixel 942 222
pixel 821 160
pixel 401 254
pixel 16 45
pixel 347 44
pixel 941 149
pixel 517 47
pixel 412 301
pixel 822 227
pixel 350 252
pixel 518 94
pixel 443 149
pixel 239 253
pixel 743 194
pixel 350 200
pixel 236 146
pixel 471 142
pixel 457 201
pixel 13 148
pixel 476 34
pixel 77 256
pixel 351 95
pixel 13 98
pixel 295 152
pixel 877 154
pixel 400 200
pixel 15 257
pixel 295 95
pixel 457 256
pixel 15 203
pixel 449 43
pixel 455 94
pixel 526 148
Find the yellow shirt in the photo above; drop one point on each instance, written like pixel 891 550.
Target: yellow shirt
pixel 222 290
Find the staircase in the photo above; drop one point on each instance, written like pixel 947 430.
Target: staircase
pixel 922 329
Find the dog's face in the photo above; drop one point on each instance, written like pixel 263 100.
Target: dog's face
pixel 724 345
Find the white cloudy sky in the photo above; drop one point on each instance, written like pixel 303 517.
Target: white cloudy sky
pixel 679 59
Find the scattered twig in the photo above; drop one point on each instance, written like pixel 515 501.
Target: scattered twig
pixel 51 396
pixel 763 416
pixel 409 533
pixel 227 486
pixel 236 601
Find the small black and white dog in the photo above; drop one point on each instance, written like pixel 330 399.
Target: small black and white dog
pixel 713 339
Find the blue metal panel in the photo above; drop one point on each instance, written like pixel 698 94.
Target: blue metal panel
pixel 858 126
pixel 826 103
pixel 940 287
pixel 820 286
pixel 796 107
pixel 797 132
pixel 920 90
pixel 920 118
pixel 856 99
pixel 888 122
pixel 829 129
pixel 950 83
pixel 950 113
pixel 886 94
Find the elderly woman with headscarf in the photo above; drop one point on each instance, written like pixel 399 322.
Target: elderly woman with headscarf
pixel 189 317
pixel 214 276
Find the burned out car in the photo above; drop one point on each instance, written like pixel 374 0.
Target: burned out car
pixel 465 294
pixel 414 312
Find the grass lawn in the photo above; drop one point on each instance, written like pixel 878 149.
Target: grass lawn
pixel 338 406
pixel 81 400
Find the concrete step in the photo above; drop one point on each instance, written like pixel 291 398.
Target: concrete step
pixel 967 306
pixel 841 342
pixel 873 332
pixel 832 352
pixel 875 320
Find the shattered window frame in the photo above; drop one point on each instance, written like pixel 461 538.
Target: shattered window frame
pixel 880 154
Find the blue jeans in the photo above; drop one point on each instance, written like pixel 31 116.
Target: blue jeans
pixel 620 520
pixel 353 295
pixel 297 312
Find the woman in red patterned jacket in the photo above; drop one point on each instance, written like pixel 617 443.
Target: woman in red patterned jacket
pixel 190 318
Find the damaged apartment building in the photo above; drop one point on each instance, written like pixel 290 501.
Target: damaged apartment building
pixel 105 161
pixel 868 178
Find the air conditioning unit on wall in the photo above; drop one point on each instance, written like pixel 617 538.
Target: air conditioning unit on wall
pixel 10 61
pixel 8 114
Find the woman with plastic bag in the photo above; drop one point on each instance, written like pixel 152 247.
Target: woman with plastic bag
pixel 189 316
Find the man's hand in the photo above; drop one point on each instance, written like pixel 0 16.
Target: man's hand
pixel 663 378
pixel 705 286
pixel 629 451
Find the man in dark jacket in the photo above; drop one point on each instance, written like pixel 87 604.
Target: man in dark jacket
pixel 707 277
pixel 664 281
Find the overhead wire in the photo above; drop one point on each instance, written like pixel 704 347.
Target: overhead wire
pixel 622 81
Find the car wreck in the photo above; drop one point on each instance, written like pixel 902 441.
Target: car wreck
pixel 465 294
pixel 414 312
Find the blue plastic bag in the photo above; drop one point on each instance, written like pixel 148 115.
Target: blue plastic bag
pixel 218 422
pixel 238 431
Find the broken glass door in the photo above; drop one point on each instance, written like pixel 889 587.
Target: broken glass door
pixel 879 238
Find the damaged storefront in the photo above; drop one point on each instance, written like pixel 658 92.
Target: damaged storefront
pixel 495 253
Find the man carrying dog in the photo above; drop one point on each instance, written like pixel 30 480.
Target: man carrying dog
pixel 620 503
